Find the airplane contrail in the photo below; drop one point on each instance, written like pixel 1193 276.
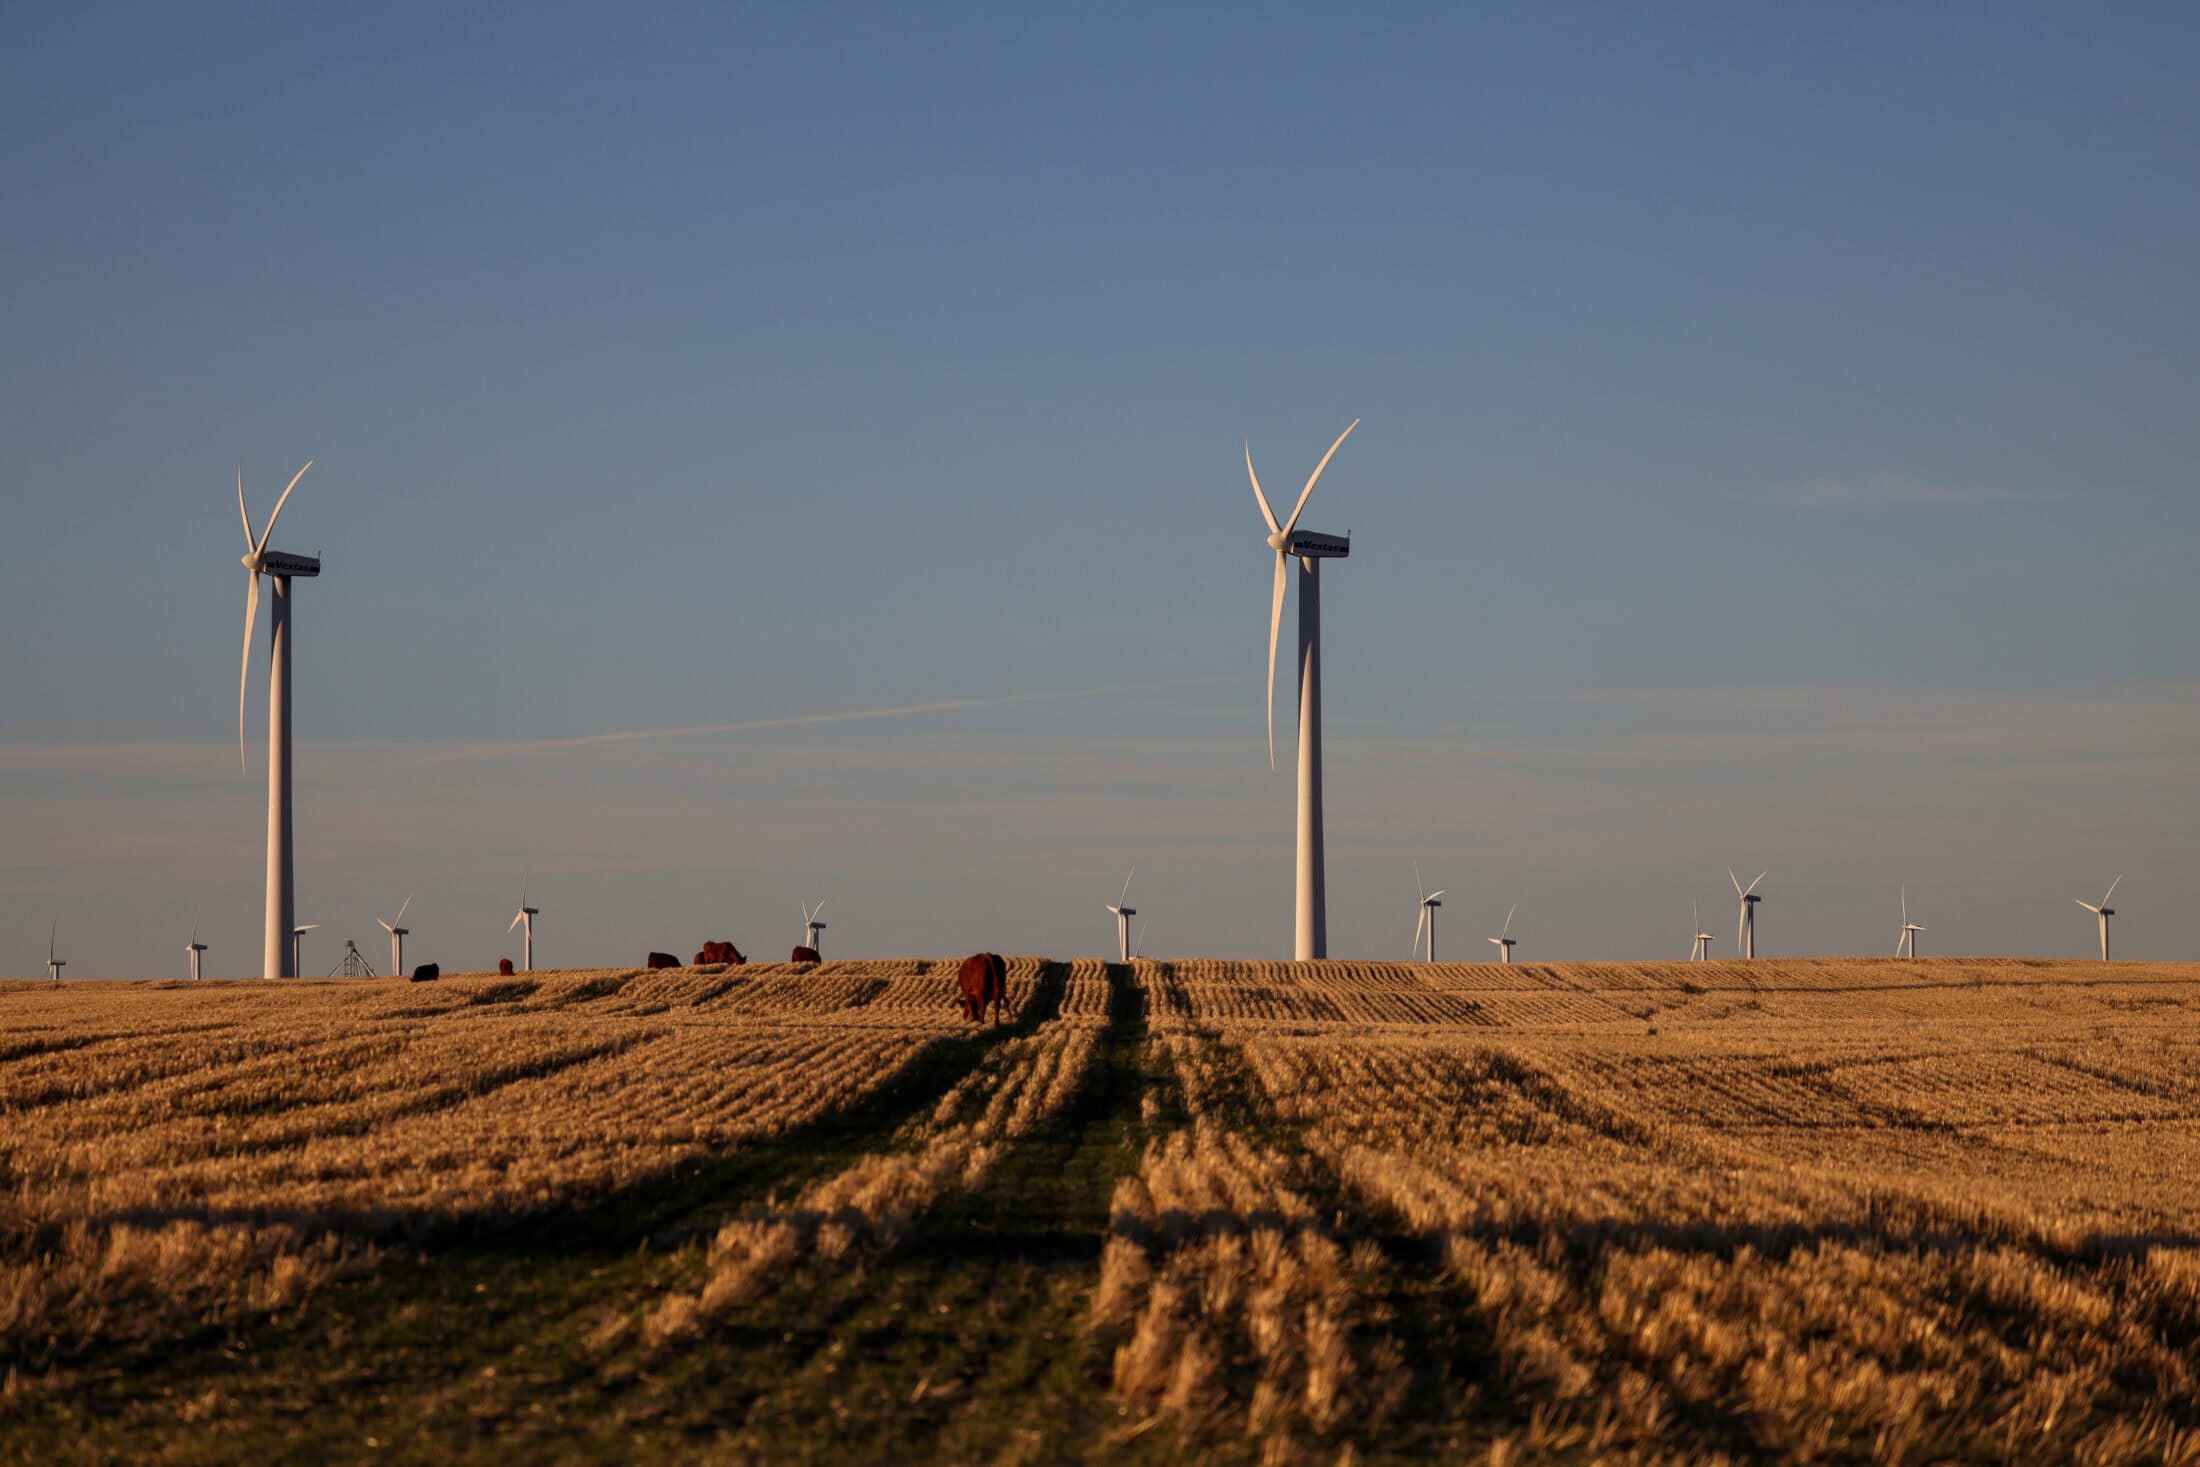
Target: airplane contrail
pixel 753 725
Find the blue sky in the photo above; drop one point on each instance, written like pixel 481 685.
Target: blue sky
pixel 1811 392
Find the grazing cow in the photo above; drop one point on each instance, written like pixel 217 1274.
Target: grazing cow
pixel 504 967
pixel 427 973
pixel 721 952
pixel 805 955
pixel 984 981
pixel 663 960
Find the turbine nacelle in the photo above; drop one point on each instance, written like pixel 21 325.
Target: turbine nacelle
pixel 283 563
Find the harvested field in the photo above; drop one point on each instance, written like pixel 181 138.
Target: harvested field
pixel 1789 1210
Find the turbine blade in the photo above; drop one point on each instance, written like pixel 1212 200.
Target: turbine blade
pixel 1417 931
pixel 1753 885
pixel 1417 881
pixel 1735 879
pixel 516 916
pixel 391 927
pixel 1307 493
pixel 242 513
pixel 401 912
pixel 2090 907
pixel 244 668
pixel 2119 881
pixel 271 519
pixel 1265 512
pixel 1126 896
pixel 1275 625
pixel 1905 904
pixel 1506 930
pixel 1432 896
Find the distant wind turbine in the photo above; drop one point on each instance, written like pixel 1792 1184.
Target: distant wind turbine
pixel 1427 919
pixel 1310 938
pixel 811 927
pixel 54 965
pixel 1504 939
pixel 194 948
pixel 1702 950
pixel 1745 934
pixel 527 915
pixel 1123 914
pixel 398 931
pixel 2104 911
pixel 296 968
pixel 1907 947
pixel 281 568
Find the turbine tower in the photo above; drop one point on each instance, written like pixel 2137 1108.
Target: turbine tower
pixel 527 915
pixel 280 568
pixel 398 931
pixel 1427 919
pixel 1504 939
pixel 2104 911
pixel 1123 915
pixel 1701 953
pixel 194 948
pixel 1907 947
pixel 1745 932
pixel 54 965
pixel 1311 935
pixel 811 927
pixel 297 969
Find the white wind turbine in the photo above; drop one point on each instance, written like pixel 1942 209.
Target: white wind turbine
pixel 398 932
pixel 1701 953
pixel 1907 947
pixel 527 915
pixel 1311 935
pixel 54 965
pixel 1745 932
pixel 811 927
pixel 280 568
pixel 1504 938
pixel 1123 914
pixel 297 969
pixel 1427 919
pixel 2104 911
pixel 194 948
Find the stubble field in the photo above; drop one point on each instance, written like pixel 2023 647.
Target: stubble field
pixel 1854 1209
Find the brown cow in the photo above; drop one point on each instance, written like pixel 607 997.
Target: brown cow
pixel 984 980
pixel 663 960
pixel 504 967
pixel 721 952
pixel 805 955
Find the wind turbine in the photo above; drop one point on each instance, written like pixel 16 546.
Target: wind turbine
pixel 1123 915
pixel 297 969
pixel 1503 939
pixel 2104 911
pixel 527 915
pixel 1701 953
pixel 1311 935
pixel 397 931
pixel 811 927
pixel 279 568
pixel 1745 934
pixel 194 948
pixel 54 965
pixel 1907 947
pixel 1427 919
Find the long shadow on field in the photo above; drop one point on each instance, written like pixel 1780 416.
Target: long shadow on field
pixel 477 1274
pixel 967 1341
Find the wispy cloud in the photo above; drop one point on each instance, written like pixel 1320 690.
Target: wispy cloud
pixel 1875 491
pixel 757 725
